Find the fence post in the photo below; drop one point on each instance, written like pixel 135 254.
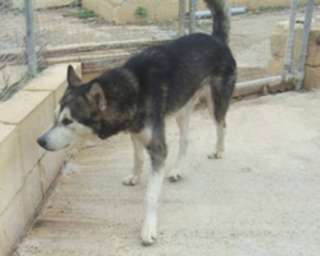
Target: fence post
pixel 288 62
pixel 305 43
pixel 30 39
pixel 182 17
pixel 192 12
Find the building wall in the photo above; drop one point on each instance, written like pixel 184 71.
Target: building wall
pixel 123 11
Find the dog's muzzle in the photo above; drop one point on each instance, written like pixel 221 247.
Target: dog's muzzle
pixel 42 142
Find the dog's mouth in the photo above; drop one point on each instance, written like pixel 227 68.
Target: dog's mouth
pixel 55 150
pixel 43 144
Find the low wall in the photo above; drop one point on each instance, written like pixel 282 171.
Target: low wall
pixel 265 4
pixel 27 171
pixel 122 12
pixel 43 3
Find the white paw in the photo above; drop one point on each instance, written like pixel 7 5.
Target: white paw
pixel 175 175
pixel 131 180
pixel 218 155
pixel 149 233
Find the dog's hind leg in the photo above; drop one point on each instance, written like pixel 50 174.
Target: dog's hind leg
pixel 183 120
pixel 218 103
pixel 220 144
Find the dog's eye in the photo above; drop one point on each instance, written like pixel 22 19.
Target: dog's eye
pixel 66 121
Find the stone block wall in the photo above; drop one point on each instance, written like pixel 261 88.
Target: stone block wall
pixel 279 47
pixel 26 170
pixel 124 11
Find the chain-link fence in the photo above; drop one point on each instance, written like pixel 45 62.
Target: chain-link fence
pixel 12 45
pixel 96 32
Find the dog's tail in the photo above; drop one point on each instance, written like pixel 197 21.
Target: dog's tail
pixel 221 18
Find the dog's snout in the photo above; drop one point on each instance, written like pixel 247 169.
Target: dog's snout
pixel 42 142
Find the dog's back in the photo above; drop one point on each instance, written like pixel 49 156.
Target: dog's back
pixel 171 73
pixel 175 71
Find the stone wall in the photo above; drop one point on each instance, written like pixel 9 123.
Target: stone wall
pixel 312 79
pixel 124 11
pixel 27 171
pixel 279 47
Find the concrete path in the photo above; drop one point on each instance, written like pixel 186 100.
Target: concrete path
pixel 262 199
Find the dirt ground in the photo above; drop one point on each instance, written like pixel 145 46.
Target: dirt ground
pixel 250 33
pixel 263 198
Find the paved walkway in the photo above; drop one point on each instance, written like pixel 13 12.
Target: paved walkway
pixel 262 199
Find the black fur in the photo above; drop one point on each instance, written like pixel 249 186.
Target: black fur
pixel 221 18
pixel 156 82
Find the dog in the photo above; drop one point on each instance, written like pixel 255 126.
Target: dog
pixel 136 97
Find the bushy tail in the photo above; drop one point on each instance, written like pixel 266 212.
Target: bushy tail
pixel 221 18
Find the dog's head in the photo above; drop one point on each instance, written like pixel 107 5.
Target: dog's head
pixel 87 109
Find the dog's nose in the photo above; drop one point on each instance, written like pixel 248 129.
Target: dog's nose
pixel 42 142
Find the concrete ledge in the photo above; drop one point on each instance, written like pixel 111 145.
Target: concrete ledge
pixel 31 113
pixel 11 173
pixel 26 171
pixel 44 3
pixel 52 80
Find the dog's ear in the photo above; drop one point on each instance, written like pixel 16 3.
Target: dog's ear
pixel 73 79
pixel 97 96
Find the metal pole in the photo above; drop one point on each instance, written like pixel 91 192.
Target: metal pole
pixel 305 43
pixel 30 39
pixel 182 17
pixel 192 11
pixel 288 62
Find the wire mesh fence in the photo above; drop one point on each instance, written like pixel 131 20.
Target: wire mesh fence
pixel 79 30
pixel 12 45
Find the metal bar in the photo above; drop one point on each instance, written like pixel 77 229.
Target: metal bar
pixel 205 14
pixel 258 86
pixel 182 17
pixel 288 62
pixel 261 81
pixel 305 43
pixel 30 39
pixel 192 12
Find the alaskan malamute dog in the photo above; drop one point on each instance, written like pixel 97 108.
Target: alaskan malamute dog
pixel 137 96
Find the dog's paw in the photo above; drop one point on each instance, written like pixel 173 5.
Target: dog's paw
pixel 131 180
pixel 218 155
pixel 149 233
pixel 174 176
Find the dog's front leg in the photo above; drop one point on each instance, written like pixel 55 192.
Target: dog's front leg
pixel 157 151
pixel 138 147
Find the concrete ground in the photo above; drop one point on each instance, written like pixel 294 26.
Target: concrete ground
pixel 262 199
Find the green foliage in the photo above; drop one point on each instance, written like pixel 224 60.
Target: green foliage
pixel 141 12
pixel 85 14
pixel 262 9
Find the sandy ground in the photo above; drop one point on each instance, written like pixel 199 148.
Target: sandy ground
pixel 262 199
